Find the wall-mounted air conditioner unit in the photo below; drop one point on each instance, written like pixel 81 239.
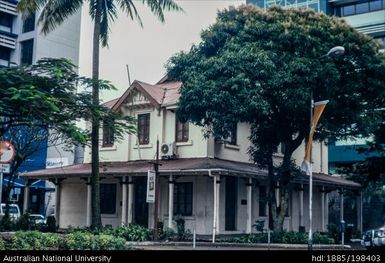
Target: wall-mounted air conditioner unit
pixel 168 150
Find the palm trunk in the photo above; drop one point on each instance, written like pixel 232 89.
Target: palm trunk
pixel 96 221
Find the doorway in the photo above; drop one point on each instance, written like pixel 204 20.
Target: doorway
pixel 141 206
pixel 231 203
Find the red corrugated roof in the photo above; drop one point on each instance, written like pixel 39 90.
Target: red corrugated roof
pixel 110 103
pixel 162 94
pixel 182 166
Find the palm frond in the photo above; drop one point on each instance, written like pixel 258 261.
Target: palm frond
pixel 129 8
pixel 53 12
pixel 158 7
pixel 109 13
pixel 28 7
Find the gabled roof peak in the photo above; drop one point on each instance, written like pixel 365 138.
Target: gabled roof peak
pixel 165 92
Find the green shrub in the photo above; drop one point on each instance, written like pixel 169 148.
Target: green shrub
pixel 109 242
pixel 2 244
pixel 78 241
pixel 23 223
pixel 319 238
pixel 83 240
pixel 259 225
pixel 182 233
pixel 132 232
pixel 7 224
pixel 254 238
pixel 294 238
pixel 167 234
pixel 334 232
pixel 34 240
pixel 285 237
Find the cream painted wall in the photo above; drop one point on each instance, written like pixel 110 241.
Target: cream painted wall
pixel 235 152
pixel 73 208
pixel 162 126
pixel 196 146
pixel 73 203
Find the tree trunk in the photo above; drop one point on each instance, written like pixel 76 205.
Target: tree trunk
pixel 278 213
pixel 96 221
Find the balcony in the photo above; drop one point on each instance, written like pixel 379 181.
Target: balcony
pixel 8 40
pixel 8 6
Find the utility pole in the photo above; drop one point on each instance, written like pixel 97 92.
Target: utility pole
pixel 156 169
pixel 128 74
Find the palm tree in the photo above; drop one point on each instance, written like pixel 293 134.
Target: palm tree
pixel 103 13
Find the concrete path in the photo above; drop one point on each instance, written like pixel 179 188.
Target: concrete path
pixel 231 246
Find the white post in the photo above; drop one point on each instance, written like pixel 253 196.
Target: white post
pixel 215 209
pixel 311 210
pixel 130 200
pixel 194 238
pixel 342 214
pixel 170 201
pixel 326 209
pixel 341 205
pixel 218 182
pixel 124 201
pixel 26 197
pixel 1 186
pixel 89 210
pixel 323 209
pixel 359 212
pixel 301 206
pixel 249 205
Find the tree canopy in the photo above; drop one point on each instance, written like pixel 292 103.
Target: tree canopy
pixel 262 67
pixel 44 97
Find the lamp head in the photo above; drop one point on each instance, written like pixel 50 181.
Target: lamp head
pixel 336 51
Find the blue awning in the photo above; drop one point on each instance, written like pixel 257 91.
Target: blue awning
pixel 43 184
pixel 16 183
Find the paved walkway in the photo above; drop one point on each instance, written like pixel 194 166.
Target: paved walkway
pixel 232 246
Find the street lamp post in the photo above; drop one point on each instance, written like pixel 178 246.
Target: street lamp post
pixel 334 52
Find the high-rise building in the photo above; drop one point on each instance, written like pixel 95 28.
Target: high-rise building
pixel 318 5
pixel 367 16
pixel 21 43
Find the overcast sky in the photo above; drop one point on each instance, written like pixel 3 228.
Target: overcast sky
pixel 147 49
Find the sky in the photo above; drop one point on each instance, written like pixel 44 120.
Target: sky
pixel 146 50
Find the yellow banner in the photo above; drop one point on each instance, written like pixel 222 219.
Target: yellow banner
pixel 319 107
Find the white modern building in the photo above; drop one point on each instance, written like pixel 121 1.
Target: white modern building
pixel 21 43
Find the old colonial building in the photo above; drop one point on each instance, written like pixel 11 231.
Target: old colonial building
pixel 211 183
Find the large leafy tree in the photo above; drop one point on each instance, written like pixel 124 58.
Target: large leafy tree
pixel 103 13
pixel 262 67
pixel 40 104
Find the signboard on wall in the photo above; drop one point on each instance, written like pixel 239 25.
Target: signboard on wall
pixel 150 197
pixel 56 162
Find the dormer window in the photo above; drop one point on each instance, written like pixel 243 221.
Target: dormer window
pixel 181 131
pixel 144 128
pixel 108 133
